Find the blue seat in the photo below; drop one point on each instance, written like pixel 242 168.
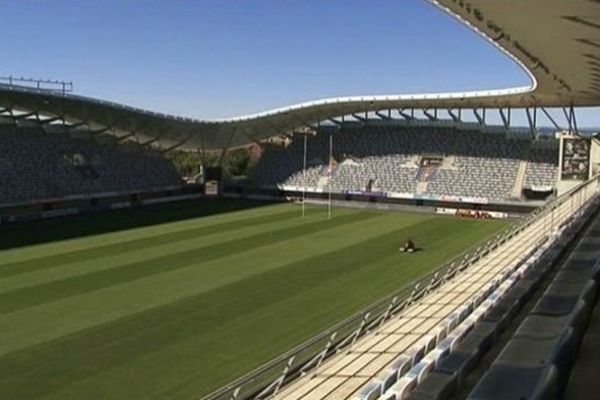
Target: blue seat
pixel 437 386
pixel 540 327
pixel 569 311
pixel 532 352
pixel 570 276
pixel 505 382
pixel 590 266
pixel 483 334
pixel 585 290
pixel 521 291
pixel 456 364
pixel 587 246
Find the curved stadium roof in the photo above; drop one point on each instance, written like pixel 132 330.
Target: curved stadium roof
pixel 556 42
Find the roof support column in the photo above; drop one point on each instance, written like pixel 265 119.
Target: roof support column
pixel 406 116
pixel 382 115
pixel 568 119
pixel 430 116
pixel 532 120
pixel 455 117
pixel 574 120
pixel 358 117
pixel 505 118
pixel 550 118
pixel 480 117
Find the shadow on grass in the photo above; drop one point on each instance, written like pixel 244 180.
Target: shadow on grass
pixel 45 231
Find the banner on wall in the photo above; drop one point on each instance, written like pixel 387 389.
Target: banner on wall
pixel 575 159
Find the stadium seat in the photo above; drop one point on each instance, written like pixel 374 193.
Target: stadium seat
pixel 371 391
pixel 67 166
pixel 456 364
pixel 436 386
pixel 478 164
pixel 401 389
pixel 507 382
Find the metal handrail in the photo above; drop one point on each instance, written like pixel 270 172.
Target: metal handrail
pixel 265 381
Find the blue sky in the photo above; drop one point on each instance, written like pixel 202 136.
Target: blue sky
pixel 219 58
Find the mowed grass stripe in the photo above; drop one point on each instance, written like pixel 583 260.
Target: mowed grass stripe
pixel 47 237
pixel 249 316
pixel 21 329
pixel 21 267
pixel 29 297
pixel 108 261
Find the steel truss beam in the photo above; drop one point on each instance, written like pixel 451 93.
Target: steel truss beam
pixel 480 117
pixel 532 121
pixel 505 117
pixel 552 120
pixel 383 116
pixel 430 116
pixel 408 117
pixel 455 117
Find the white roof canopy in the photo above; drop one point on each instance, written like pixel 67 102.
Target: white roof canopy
pixel 556 42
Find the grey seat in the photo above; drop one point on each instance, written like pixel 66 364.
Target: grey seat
pixel 526 352
pixel 437 386
pixel 456 364
pixel 483 335
pixel 521 291
pixel 504 382
pixel 502 312
pixel 585 290
pixel 571 276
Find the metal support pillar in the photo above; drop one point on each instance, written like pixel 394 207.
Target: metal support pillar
pixel 552 120
pixel 568 119
pixel 574 118
pixel 383 116
pixel 455 117
pixel 532 121
pixel 505 118
pixel 404 115
pixel 358 117
pixel 431 117
pixel 479 118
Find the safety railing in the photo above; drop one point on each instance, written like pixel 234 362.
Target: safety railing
pixel 266 381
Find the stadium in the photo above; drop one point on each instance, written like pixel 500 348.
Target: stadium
pixel 386 247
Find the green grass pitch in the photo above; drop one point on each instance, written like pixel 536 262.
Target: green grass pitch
pixel 174 301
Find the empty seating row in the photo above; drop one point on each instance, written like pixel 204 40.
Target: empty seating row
pixel 432 352
pixel 387 160
pixel 536 362
pixel 435 367
pixel 36 165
